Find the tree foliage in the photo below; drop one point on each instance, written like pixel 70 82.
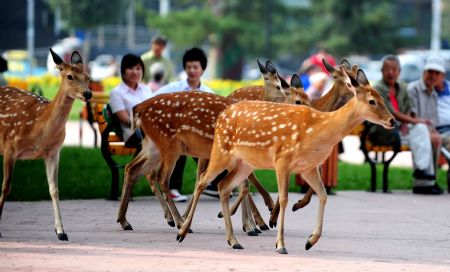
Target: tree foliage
pixel 88 13
pixel 351 26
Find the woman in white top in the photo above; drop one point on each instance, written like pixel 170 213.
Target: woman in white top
pixel 128 94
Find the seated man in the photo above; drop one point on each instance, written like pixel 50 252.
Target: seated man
pixel 428 98
pixel 413 131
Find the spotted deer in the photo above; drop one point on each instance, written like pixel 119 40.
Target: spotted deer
pixel 253 135
pixel 174 124
pixel 32 127
pixel 335 98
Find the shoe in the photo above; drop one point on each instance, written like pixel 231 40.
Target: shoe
pixel 211 190
pixel 176 196
pixel 427 190
pixel 329 192
pixel 421 174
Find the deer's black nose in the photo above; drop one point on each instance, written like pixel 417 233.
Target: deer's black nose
pixel 87 94
pixel 392 121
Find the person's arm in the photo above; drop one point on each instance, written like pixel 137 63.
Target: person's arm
pixel 406 118
pixel 123 117
pixel 118 108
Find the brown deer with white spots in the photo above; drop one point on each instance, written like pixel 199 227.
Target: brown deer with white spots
pixel 31 127
pixel 174 124
pixel 286 138
pixel 336 97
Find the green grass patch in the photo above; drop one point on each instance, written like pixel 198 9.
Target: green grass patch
pixel 83 174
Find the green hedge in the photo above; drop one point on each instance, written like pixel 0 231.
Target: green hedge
pixel 83 174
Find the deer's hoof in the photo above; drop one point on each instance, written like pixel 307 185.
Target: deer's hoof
pixel 282 250
pixel 308 245
pixel 272 224
pixel 127 227
pixel 171 223
pixel 62 236
pixel 237 246
pixel 180 238
pixel 258 231
pixel 190 231
pixel 252 233
pixel 264 227
pixel 220 215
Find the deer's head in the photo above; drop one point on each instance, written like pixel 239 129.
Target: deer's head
pixel 74 80
pixel 272 84
pixel 295 93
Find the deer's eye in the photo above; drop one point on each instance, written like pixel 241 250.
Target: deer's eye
pixel 372 102
pixel 278 88
pixel 70 77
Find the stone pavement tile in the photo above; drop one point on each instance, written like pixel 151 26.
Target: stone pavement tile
pixel 362 232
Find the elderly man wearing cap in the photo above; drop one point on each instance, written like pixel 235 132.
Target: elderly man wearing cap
pixel 154 55
pixel 430 97
pixel 412 131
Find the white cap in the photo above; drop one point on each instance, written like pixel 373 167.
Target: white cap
pixel 435 63
pixel 156 67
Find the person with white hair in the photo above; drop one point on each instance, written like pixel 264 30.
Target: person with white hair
pixel 158 76
pixel 318 84
pixel 430 97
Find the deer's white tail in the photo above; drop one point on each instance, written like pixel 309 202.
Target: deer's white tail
pixel 135 120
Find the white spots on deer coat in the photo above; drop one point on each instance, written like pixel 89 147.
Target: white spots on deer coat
pixel 309 130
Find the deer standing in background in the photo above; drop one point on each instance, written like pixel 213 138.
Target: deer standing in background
pixel 253 135
pixel 31 127
pixel 174 124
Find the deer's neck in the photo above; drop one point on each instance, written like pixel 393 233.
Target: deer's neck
pixel 332 100
pixel 344 120
pixel 57 111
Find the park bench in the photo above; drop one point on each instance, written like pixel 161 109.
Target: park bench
pixel 111 144
pixel 383 154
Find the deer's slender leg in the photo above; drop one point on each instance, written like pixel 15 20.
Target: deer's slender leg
pixel 167 166
pixel 235 177
pixel 8 166
pixel 214 169
pixel 274 214
pixel 51 166
pixel 248 224
pixel 151 177
pixel 314 180
pixel 283 187
pixel 145 161
pixel 256 215
pixel 201 168
pixel 304 201
pixel 266 196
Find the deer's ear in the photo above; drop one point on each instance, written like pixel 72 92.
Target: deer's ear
pixel 362 78
pixel 296 82
pixel 346 63
pixel 270 67
pixel 76 58
pixel 262 68
pixel 284 84
pixel 56 59
pixel 328 66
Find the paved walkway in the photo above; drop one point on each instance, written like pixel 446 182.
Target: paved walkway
pixel 362 232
